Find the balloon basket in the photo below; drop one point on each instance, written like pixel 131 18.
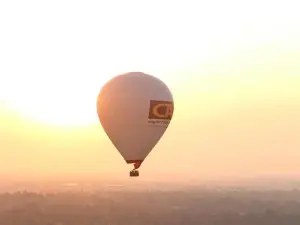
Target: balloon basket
pixel 134 173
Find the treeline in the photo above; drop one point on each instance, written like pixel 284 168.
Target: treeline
pixel 201 207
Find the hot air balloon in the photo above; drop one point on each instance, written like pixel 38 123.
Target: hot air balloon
pixel 135 109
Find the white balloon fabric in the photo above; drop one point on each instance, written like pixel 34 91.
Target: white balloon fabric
pixel 135 110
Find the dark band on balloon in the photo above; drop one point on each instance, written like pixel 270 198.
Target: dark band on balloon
pixel 137 163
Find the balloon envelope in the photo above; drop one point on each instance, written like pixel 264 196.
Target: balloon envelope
pixel 135 110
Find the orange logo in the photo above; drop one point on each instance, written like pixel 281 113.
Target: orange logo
pixel 161 110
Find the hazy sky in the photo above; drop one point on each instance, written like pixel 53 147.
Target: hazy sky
pixel 233 67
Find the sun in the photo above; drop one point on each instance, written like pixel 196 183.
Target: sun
pixel 56 109
pixel 58 102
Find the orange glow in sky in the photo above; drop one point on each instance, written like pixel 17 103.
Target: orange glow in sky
pixel 232 66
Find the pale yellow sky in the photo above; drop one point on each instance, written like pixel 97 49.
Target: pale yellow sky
pixel 233 68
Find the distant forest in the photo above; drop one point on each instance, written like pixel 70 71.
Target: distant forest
pixel 121 207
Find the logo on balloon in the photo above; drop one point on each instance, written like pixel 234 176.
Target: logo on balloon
pixel 160 112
